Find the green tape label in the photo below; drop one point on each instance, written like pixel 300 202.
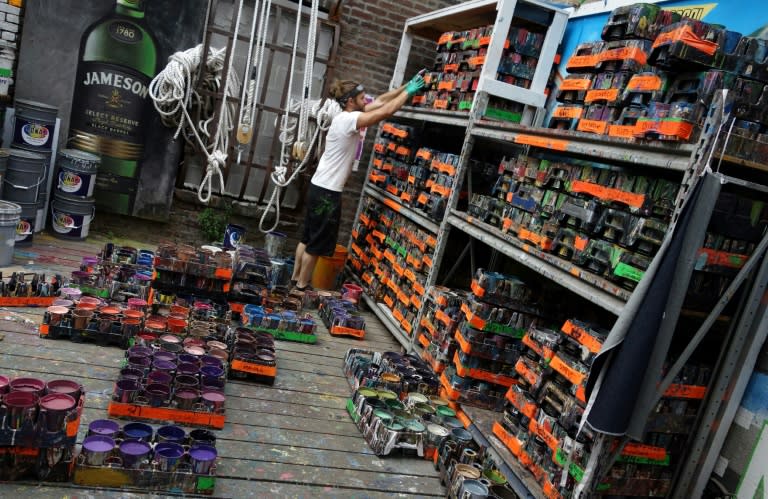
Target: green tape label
pixel 628 272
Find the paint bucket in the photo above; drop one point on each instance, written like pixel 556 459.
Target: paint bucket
pixel 171 433
pixel 327 269
pixel 54 409
pixel 168 455
pixel 10 214
pixel 77 172
pixel 24 176
pixel 3 165
pixel 104 428
pixel 20 409
pixel 71 216
pixel 138 431
pixel 25 226
pixel 96 449
pixel 34 124
pixel 133 452
pixel 234 236
pixel 275 242
pixel 65 386
pixel 202 457
pixel 31 385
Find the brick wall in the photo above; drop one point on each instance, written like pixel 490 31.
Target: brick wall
pixel 10 27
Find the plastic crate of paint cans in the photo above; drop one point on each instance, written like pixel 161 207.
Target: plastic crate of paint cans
pixel 39 414
pixel 158 385
pixel 136 456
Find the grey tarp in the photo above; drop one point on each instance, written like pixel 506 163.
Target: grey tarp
pixel 625 374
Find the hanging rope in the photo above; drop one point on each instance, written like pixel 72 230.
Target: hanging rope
pixel 295 144
pixel 171 91
pixel 324 112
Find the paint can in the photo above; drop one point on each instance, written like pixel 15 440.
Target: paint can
pixel 77 172
pixel 25 226
pixel 274 244
pixel 234 236
pixel 24 175
pixel 10 214
pixel 71 216
pixel 34 124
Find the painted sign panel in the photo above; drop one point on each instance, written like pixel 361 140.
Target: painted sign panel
pixel 94 59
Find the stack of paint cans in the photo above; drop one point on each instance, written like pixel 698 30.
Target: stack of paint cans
pixel 34 133
pixel 29 165
pixel 73 206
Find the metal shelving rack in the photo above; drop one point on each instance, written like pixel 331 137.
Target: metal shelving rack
pixel 684 160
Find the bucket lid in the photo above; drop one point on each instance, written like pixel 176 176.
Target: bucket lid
pixel 81 155
pixel 15 152
pixel 98 443
pixel 57 402
pixel 32 103
pixel 69 198
pixel 8 208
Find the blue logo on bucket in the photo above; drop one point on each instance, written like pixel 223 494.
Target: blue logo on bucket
pixel 35 134
pixel 70 182
pixel 233 236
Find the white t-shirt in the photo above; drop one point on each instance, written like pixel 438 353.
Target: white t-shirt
pixel 340 148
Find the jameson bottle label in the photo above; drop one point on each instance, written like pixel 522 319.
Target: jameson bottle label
pixel 110 103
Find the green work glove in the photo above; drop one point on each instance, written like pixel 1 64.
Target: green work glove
pixel 416 84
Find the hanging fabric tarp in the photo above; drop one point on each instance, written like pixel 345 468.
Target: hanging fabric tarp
pixel 624 376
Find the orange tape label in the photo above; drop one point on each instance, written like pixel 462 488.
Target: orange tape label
pixel 451 68
pixel 592 126
pixel 608 94
pixel 644 83
pixel 582 61
pixel 567 371
pixel 686 35
pixel 624 53
pixel 532 140
pixel 571 112
pixel 576 84
pixel 441 104
pixel 622 131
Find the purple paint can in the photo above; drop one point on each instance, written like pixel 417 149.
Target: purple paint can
pixel 97 448
pixel 202 457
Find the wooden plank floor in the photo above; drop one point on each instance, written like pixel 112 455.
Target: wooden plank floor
pixel 293 439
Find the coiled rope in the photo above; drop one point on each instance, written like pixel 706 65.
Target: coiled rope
pixel 173 94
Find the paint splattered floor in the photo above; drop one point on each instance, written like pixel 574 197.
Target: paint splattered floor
pixel 293 439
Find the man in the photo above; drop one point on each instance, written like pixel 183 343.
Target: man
pixel 323 216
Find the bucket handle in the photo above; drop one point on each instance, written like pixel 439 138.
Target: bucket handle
pixel 93 216
pixel 26 188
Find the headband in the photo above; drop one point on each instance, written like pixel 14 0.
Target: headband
pixel 352 93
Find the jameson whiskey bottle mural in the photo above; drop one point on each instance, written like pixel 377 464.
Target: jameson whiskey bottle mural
pixel 111 104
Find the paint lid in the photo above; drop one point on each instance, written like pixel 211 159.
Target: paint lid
pixel 63 386
pixel 57 402
pixel 436 429
pixel 169 450
pixel 194 350
pixel 137 430
pixel 414 425
pixel 444 410
pixel 8 208
pixel 417 398
pixel 387 394
pixel 171 432
pixel 367 392
pixel 57 310
pixel 203 453
pixel 214 396
pixel 103 427
pixel 187 394
pixel 134 447
pixel 98 443
pixel 22 154
pixel 21 400
pixel 474 488
pixel 80 155
pixel 33 103
pixel 33 385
